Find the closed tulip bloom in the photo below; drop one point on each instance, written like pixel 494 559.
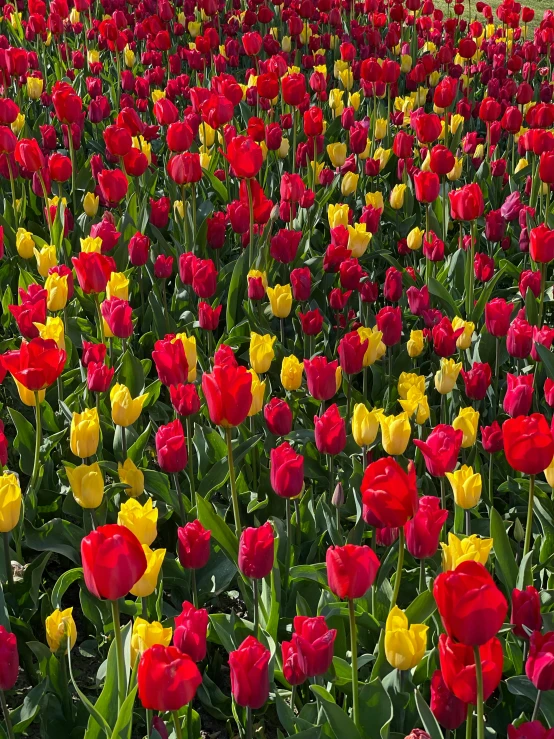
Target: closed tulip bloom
pixel 445 337
pixel 539 667
pixel 280 299
pixel 256 551
pixel 171 361
pixel 466 486
pixel 541 244
pixel 526 611
pixel 278 416
pixel 395 433
pixel 441 449
pixel 191 627
pixel 405 644
pixel 250 674
pixel 497 316
pixel 467 421
pixel 365 424
pixel 87 484
pixel 427 186
pixel 389 323
pixel 291 373
pixel 167 679
pixel 129 474
pixel 261 351
pixel 415 344
pixel 449 710
pixel 528 443
pixel 416 403
pixel 286 471
pixel 9 659
pixel 330 431
pixel 93 271
pixel 423 530
pixel 99 377
pixel 113 561
pixel 293 664
pixel 228 393
pixel 146 635
pixel 245 157
pixel 258 393
pixel 314 641
pixel 351 570
pixel 530 729
pixel 464 339
pixel 466 204
pixel 140 519
pixel 58 290
pixel 351 351
pixel 321 377
pixel 10 502
pixel 519 395
pixel 471 549
pixel 470 604
pixel 36 365
pixel 477 380
pixel 148 582
pixel 60 630
pixel 125 409
pixel 185 399
pixel 85 433
pixel 171 447
pixel 193 545
pixel 457 663
pixel 389 492
pixel 445 378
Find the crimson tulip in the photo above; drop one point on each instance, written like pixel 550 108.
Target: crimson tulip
pixel 113 561
pixel 389 492
pixel 191 627
pixel 249 673
pixel 171 447
pixel 441 449
pixel 193 545
pixel 423 530
pixel 457 663
pixel 528 443
pixel 286 471
pixel 351 570
pixel 167 679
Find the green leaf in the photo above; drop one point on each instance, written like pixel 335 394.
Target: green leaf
pixel 131 373
pixel 429 721
pixel 124 723
pixel 95 716
pixel 521 685
pixel 504 555
pixel 486 292
pixel 547 358
pixel 341 724
pixel 56 535
pixel 525 572
pixel 209 518
pixel 63 583
pixel 217 185
pixel 26 713
pixel 219 472
pixel 236 289
pixel 376 710
pixel 421 608
pixel 24 441
pixel 136 451
pixel 439 291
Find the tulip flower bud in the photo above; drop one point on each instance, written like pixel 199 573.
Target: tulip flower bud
pixel 61 630
pixel 338 495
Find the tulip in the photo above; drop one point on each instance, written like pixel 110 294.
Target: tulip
pixel 519 395
pixel 449 710
pixel 365 424
pixel 389 492
pixel 129 474
pixel 404 645
pixel 258 392
pixel 58 290
pixel 171 448
pixel 313 641
pixel 415 344
pixel 37 364
pixel 467 421
pixel 191 627
pixel 477 380
pixel 351 351
pixel 540 662
pixel 330 431
pixel 445 378
pixel 146 635
pixel 148 582
pixel 280 299
pixel 457 663
pixel 526 611
pixel 466 486
pixel 286 471
pixel 291 373
pixel 125 409
pixel 261 351
pixel 140 519
pixel 472 548
pixel 278 416
pixel 441 449
pixel 87 484
pixel 167 679
pixel 61 630
pixel 9 660
pixel 249 673
pixel 85 433
pixel 193 545
pixel 256 551
pixel 395 433
pixel 423 530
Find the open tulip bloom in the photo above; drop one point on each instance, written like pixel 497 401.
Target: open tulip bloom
pixel 276 371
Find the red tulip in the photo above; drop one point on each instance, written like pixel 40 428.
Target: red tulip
pixel 351 351
pixel 293 664
pixel 539 667
pixel 113 185
pixel 179 136
pixel 458 668
pixel 471 606
pixel 194 545
pixel 37 364
pixel 449 711
pixel 423 530
pixel 67 104
pixel 245 157
pixel 204 278
pixel 99 377
pixel 185 168
pixel 171 361
pixel 497 316
pixel 167 679
pixel 93 271
pixel 519 395
pixel 389 493
pixel 427 186
pixel 256 551
pixel 441 449
pixel 139 249
pixel 286 471
pixel 389 321
pixel 184 399
pixel 492 437
pixel 314 641
pixel 228 393
pixel 351 570
pixel 530 729
pixel 541 243
pixel 118 140
pixel 294 89
pixel 477 380
pixel 249 673
pixel 278 416
pixel 29 155
pixel 445 337
pixel 330 431
pixel 467 204
pixel 284 245
pixel 526 611
pixel 59 167
pixel 321 377
pixel 171 447
pixel 191 627
pixel 528 443
pixel 9 659
pixel 113 561
pixel 427 126
pixel 27 314
pixel 118 315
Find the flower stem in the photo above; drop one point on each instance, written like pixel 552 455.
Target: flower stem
pixel 535 715
pixel 469 721
pixel 6 712
pixel 398 568
pixel 177 724
pixel 354 651
pixel 38 439
pixel 191 462
pixel 421 575
pixel 479 679
pixel 256 608
pixel 121 682
pixel 182 512
pixel 289 546
pixel 529 522
pixel 234 495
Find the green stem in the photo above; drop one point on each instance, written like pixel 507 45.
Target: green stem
pixel 398 568
pixel 251 220
pixel 529 522
pixel 421 575
pixel 469 721
pixel 256 608
pixel 194 588
pixel 191 462
pixel 8 559
pixel 121 681
pixel 148 719
pixel 535 715
pixel 234 495
pixel 189 719
pixel 354 651
pixel 479 679
pixel 249 728
pixel 289 547
pixel 38 439
pixel 124 443
pixel 541 296
pixel 7 718
pixel 182 512
pixel 100 320
pixel 177 724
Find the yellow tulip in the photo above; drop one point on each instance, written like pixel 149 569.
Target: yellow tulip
pixel 60 630
pixel 418 403
pixel 358 239
pixel 144 146
pixel 349 183
pixel 404 645
pixel 57 288
pixel 125 409
pixel 456 171
pixel 375 347
pixel 261 351
pixel 405 63
pixel 129 474
pixel 189 345
pixel 52 329
pixel 466 486
pixel 10 502
pixel 337 215
pixel 117 286
pixel 335 100
pixel 416 343
pixel 85 433
pixel 291 373
pixel 354 100
pixel 140 519
pixel 34 87
pixel 157 95
pixel 87 484
pixel 347 78
pixel 90 204
pixel 397 196
pixel 395 433
pixel 445 378
pixel 17 125
pixel 415 238
pixel 194 28
pixel 383 155
pixel 472 548
pixel 93 56
pixel 456 121
pixel 148 582
pixel 280 300
pixel 27 396
pixel 365 424
pixel 90 245
pixel 522 163
pixel 207 134
pixel 258 391
pixel 549 474
pixel 463 341
pixel 146 635
pixel 129 57
pixel 380 128
pixel 468 421
pixel 408 380
pixel 24 243
pixel 375 199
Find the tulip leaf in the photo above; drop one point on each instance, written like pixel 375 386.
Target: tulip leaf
pixel 63 583
pixel 124 723
pixel 505 559
pixel 57 535
pixel 521 685
pixel 421 608
pixel 525 572
pixel 25 714
pixel 217 185
pixel 209 518
pixel 439 291
pixel 131 373
pixel 376 710
pixel 547 358
pixel 136 451
pixel 485 295
pixel 236 289
pixel 430 723
pixel 24 441
pixel 341 724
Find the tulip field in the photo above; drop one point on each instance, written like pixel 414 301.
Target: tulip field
pixel 276 369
